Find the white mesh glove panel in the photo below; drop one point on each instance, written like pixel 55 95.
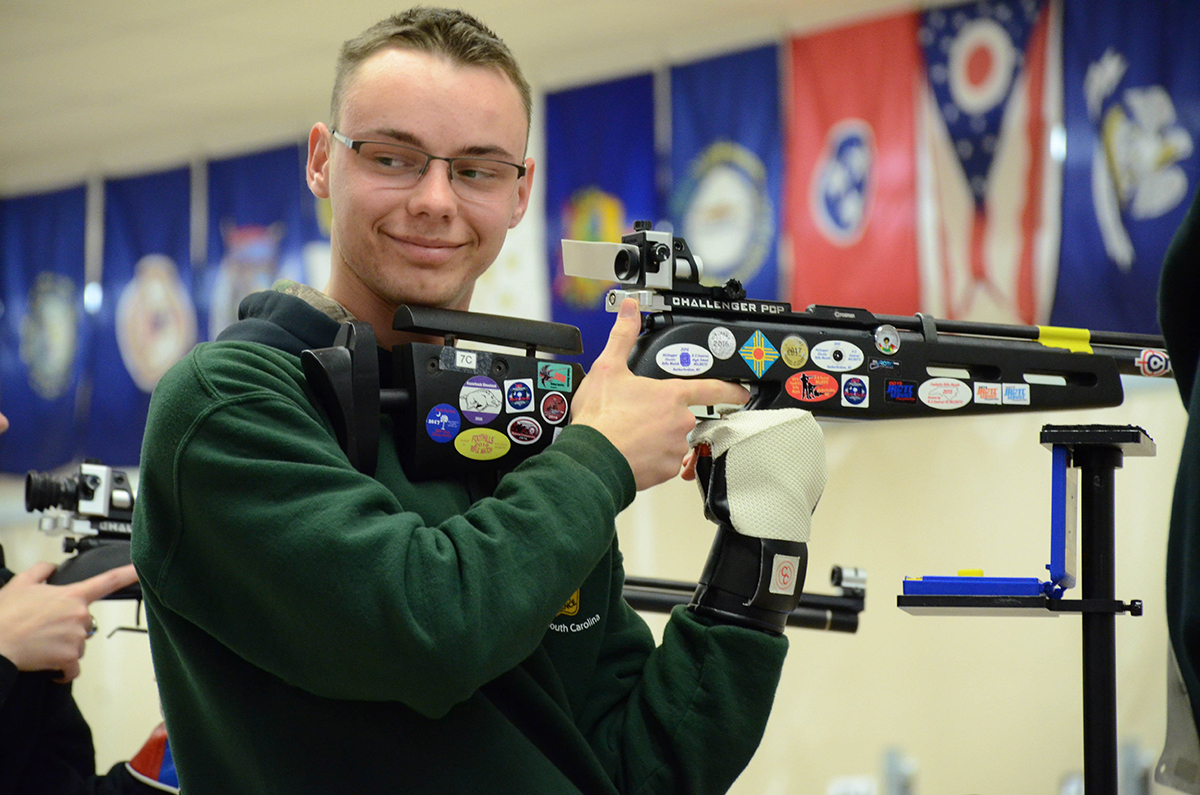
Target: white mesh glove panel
pixel 774 469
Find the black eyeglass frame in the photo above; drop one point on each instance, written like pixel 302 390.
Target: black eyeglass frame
pixel 356 145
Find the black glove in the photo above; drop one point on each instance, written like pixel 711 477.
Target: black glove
pixel 761 474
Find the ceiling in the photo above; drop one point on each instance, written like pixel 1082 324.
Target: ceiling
pixel 93 89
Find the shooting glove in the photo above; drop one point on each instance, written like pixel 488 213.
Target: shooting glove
pixel 761 480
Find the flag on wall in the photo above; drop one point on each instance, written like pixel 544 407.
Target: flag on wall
pixel 851 194
pixel 727 166
pixel 262 225
pixel 1132 99
pixel 45 357
pixel 147 320
pixel 600 178
pixel 988 182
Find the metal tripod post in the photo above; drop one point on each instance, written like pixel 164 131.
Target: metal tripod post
pixel 1098 451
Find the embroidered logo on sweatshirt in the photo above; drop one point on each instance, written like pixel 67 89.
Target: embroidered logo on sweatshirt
pixel 571 608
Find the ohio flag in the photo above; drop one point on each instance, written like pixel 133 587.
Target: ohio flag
pixel 989 183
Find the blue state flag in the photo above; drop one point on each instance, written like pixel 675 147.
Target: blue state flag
pixel 1131 91
pixel 45 349
pixel 262 226
pixel 146 321
pixel 600 178
pixel 727 166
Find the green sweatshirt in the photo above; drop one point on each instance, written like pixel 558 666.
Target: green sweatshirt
pixel 1179 318
pixel 315 630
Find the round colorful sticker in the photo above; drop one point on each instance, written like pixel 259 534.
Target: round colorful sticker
pixel 442 423
pixel 811 386
pixel 482 444
pixel 684 358
pixel 794 352
pixel 1153 363
pixel 518 394
pixel 524 430
pixel 854 391
pixel 887 339
pixel 837 356
pixel 479 399
pixel 944 394
pixel 721 342
pixel 554 407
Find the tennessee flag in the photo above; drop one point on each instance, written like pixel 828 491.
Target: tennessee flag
pixel 990 184
pixel 851 190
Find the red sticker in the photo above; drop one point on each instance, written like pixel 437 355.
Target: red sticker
pixel 810 386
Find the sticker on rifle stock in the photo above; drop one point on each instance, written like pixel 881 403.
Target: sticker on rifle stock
pixel 854 391
pixel 758 353
pixel 442 423
pixel 684 358
pixel 554 376
pixel 1015 395
pixel 524 430
pixel 987 394
pixel 895 391
pixel 837 356
pixel 811 386
pixel 479 399
pixel 518 395
pixel 722 343
pixel 1152 363
pixel 944 394
pixel 554 407
pixel 482 444
pixel 794 352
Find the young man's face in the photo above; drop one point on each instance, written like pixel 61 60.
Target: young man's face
pixel 424 244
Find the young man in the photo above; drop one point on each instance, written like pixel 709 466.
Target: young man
pixel 317 630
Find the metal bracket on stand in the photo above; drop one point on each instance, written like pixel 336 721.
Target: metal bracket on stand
pixel 1093 453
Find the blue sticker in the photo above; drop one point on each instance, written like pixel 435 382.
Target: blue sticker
pixel 854 391
pixel 518 394
pixel 442 423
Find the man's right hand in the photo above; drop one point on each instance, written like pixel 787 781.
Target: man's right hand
pixel 44 627
pixel 647 419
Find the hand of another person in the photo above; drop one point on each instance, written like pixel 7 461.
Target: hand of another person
pixel 647 419
pixel 43 627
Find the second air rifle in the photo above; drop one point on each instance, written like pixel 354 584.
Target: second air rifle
pixel 848 362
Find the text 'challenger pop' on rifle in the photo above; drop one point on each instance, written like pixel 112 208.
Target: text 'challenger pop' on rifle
pixel 848 362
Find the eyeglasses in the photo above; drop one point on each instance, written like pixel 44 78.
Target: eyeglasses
pixel 472 178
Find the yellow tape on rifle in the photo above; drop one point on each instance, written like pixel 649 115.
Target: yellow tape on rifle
pixel 1073 339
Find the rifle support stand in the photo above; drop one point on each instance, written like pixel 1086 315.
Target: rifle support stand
pixel 1096 451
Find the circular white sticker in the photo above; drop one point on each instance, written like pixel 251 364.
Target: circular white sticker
pixel 944 394
pixel 721 342
pixel 684 358
pixel 836 356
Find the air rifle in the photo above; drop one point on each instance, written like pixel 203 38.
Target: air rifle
pixel 848 362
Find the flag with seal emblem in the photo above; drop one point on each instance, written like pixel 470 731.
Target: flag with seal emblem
pixel 727 166
pixel 851 192
pixel 599 180
pixel 1132 101
pixel 262 226
pixel 146 321
pixel 46 353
